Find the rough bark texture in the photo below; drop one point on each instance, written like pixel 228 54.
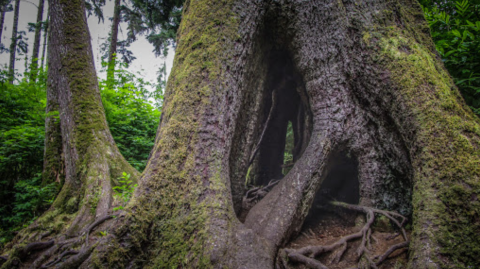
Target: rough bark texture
pixel 13 45
pixel 53 157
pixel 45 35
pixel 363 78
pixel 113 41
pixel 92 162
pixel 36 44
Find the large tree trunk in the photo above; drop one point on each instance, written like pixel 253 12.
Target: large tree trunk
pixel 358 77
pixel 91 162
pixel 112 53
pixel 36 44
pixel 13 45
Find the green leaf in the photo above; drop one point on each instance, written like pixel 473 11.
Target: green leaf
pixel 449 53
pixel 456 33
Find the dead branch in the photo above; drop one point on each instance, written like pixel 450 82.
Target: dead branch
pixel 306 255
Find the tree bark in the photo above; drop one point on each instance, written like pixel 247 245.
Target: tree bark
pixel 53 157
pixel 13 45
pixel 112 53
pixel 36 44
pixel 92 162
pixel 368 82
pixel 2 19
pixel 45 35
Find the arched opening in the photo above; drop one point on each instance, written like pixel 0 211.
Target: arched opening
pixel 283 129
pixel 341 184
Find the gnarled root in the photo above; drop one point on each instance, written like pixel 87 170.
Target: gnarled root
pixel 306 255
pixel 62 253
pixel 256 194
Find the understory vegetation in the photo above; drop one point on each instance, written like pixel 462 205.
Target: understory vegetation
pixel 132 112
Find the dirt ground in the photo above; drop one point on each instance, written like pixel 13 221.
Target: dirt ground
pixel 327 227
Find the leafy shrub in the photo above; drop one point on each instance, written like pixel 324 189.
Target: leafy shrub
pixel 124 190
pixel 455 27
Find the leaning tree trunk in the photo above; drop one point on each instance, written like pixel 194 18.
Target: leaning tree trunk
pixel 13 45
pixel 112 53
pixel 355 77
pixel 36 44
pixel 92 162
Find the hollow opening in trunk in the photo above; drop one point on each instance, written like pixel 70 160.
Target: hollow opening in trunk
pixel 341 184
pixel 284 130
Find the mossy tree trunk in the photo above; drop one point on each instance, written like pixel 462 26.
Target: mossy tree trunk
pixel 92 160
pixel 112 52
pixel 80 151
pixel 362 77
pixel 36 42
pixel 13 44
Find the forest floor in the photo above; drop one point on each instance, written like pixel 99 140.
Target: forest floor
pixel 327 227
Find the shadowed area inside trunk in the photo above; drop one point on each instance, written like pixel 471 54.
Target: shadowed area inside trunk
pixel 341 184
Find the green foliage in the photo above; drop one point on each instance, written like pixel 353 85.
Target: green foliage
pixel 132 118
pixel 124 190
pixel 132 113
pixel 22 127
pixel 288 153
pixel 455 27
pixel 159 20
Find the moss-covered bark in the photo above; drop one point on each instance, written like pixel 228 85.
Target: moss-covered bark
pixel 92 160
pixel 373 86
pixel 113 43
pixel 443 137
pixel 79 146
pixel 53 161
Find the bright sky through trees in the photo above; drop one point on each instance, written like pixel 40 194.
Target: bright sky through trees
pixel 146 63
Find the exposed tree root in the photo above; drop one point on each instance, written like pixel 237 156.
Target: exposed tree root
pixel 59 259
pixel 306 255
pixel 95 224
pixel 256 194
pixel 70 252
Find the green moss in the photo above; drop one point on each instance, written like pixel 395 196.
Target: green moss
pixel 175 214
pixel 443 136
